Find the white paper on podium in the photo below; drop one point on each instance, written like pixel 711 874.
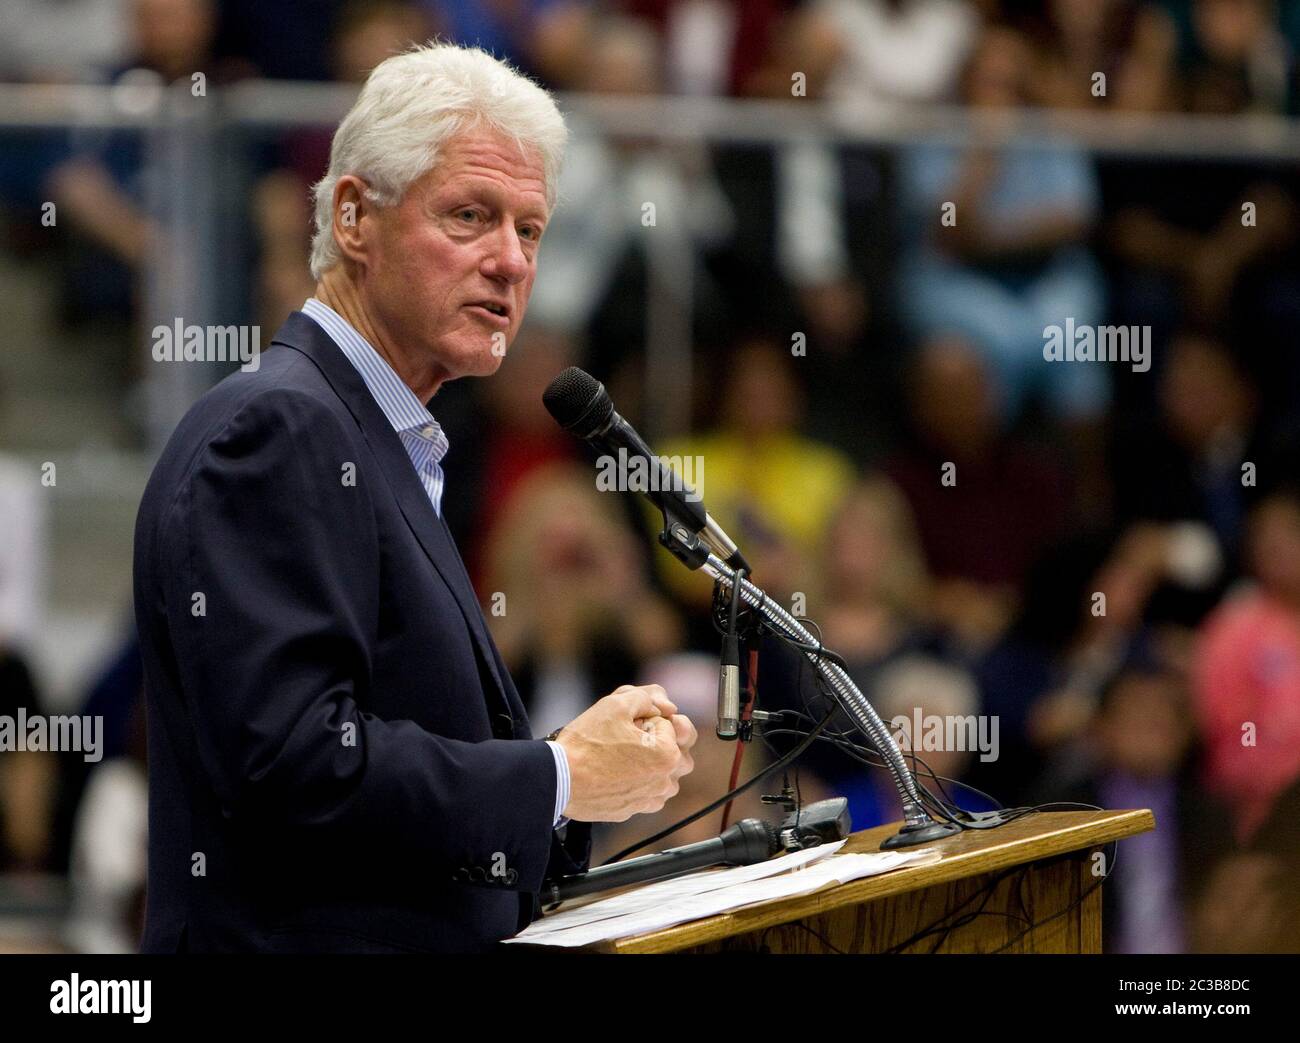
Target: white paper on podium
pixel 649 896
pixel 707 893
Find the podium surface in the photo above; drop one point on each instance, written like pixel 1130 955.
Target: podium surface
pixel 1031 885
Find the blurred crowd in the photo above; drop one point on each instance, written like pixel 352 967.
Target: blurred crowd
pixel 1103 557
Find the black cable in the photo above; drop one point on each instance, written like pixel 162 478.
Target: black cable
pixel 988 888
pixel 945 808
pixel 1073 905
pixel 938 925
pixel 780 763
pixel 934 802
pixel 761 774
pixel 939 779
pixel 735 599
pixel 762 626
pixel 947 811
pixel 1020 872
pixel 762 938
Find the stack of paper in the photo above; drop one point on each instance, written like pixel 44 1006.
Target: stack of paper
pixel 712 891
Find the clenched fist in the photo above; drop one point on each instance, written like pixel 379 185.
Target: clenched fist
pixel 626 754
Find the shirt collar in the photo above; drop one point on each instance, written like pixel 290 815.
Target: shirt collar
pixel 399 403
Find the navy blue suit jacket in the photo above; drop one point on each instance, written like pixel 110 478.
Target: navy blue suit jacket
pixel 335 746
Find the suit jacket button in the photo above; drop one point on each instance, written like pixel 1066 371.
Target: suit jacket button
pixel 503 726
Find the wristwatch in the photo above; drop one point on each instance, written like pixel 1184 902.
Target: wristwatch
pixel 555 734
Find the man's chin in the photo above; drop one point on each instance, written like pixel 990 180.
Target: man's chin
pixel 485 366
pixel 475 362
pixel 486 362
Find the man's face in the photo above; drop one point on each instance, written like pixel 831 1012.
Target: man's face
pixel 452 264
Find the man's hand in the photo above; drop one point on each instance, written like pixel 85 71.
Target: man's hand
pixel 626 754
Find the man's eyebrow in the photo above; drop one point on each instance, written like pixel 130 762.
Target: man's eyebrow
pixel 533 214
pixel 464 188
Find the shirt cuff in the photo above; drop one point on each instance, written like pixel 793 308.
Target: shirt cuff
pixel 561 783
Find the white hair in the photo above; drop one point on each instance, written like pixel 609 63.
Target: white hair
pixel 410 106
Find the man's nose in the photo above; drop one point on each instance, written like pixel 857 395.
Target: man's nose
pixel 506 260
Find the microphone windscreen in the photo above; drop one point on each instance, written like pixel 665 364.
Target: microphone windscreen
pixel 578 402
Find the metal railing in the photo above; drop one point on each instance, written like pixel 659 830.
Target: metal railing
pixel 183 138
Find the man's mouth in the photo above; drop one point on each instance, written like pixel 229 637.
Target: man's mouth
pixel 499 313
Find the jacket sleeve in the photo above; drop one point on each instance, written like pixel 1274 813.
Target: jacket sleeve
pixel 271 553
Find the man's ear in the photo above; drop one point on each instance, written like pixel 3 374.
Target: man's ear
pixel 351 208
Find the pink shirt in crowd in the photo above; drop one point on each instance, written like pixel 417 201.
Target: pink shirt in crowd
pixel 1247 670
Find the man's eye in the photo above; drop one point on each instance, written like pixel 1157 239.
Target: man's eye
pixel 467 215
pixel 529 232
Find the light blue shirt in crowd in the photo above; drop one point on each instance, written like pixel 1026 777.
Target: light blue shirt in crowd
pixel 425 444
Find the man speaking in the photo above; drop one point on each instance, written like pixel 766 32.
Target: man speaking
pixel 338 759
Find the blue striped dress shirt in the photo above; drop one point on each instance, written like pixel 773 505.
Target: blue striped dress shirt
pixel 425 444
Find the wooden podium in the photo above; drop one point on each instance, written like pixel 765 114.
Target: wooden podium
pixel 1037 870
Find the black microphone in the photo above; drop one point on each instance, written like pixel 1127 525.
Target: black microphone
pixel 581 405
pixel 748 841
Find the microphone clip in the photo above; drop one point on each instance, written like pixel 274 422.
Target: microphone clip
pixel 786 798
pixel 683 544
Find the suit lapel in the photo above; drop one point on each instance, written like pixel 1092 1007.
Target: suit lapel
pixel 301 333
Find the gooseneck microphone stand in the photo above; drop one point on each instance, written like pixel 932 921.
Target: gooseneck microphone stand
pixel 581 405
pixel 919 827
